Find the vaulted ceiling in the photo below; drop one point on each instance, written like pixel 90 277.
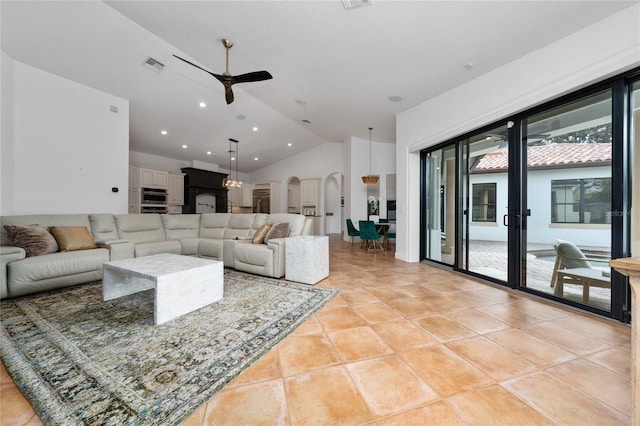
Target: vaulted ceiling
pixel 336 71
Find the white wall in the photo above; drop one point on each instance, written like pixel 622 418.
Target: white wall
pixel 591 54
pixel 540 230
pixel 317 163
pixel 62 149
pixel 382 163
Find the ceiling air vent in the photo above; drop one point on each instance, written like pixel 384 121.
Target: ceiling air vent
pixel 153 64
pixel 351 4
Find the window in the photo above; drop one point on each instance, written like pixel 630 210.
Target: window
pixel 484 202
pixel 581 200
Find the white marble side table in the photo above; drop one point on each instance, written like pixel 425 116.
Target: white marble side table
pixel 307 258
pixel 181 284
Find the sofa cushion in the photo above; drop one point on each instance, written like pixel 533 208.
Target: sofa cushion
pixel 213 225
pixel 103 227
pixel 157 247
pixel 211 248
pixel 54 265
pixel 178 226
pixel 71 238
pixel 253 258
pixel 258 237
pixel 279 230
pixel 140 228
pixel 239 225
pixel 259 220
pixel 190 246
pixel 34 239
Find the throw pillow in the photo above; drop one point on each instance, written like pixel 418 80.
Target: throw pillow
pixel 279 230
pixel 258 237
pixel 72 238
pixel 34 239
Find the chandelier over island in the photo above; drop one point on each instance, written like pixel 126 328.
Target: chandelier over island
pixel 228 182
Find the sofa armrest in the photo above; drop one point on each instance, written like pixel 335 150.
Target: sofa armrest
pixel 277 245
pixel 8 254
pixel 118 249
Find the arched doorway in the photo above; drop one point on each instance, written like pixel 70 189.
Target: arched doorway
pixel 333 203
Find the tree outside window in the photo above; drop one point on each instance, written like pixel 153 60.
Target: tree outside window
pixel 483 202
pixel 581 200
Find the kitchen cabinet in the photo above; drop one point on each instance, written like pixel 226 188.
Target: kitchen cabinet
pixel 241 197
pixel 150 178
pixel 134 200
pixel 134 177
pixel 309 193
pixel 175 196
pixel 247 195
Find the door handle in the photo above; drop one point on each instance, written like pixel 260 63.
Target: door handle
pixel 505 220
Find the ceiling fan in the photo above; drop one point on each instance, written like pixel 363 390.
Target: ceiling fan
pixel 229 80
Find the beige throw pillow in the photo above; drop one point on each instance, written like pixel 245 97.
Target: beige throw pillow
pixel 72 238
pixel 34 239
pixel 279 230
pixel 258 237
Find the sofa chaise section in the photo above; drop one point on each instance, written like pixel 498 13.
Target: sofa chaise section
pixel 21 275
pixel 268 259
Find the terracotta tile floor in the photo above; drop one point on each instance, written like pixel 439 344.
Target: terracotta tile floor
pixel 412 344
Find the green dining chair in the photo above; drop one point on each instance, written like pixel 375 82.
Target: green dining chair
pixel 369 235
pixel 352 231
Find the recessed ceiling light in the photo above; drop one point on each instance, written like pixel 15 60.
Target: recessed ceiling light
pixel 164 132
pixel 233 158
pixel 469 65
pixel 255 129
pixel 184 146
pixel 240 117
pixel 255 159
pixel 395 98
pixel 202 105
pixel 289 144
pixel 208 152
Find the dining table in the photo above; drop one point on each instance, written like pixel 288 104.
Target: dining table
pixel 382 228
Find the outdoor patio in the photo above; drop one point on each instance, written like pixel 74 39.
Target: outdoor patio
pixel 489 258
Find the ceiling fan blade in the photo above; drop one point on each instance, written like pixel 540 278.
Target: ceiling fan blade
pixel 198 66
pixel 251 76
pixel 228 93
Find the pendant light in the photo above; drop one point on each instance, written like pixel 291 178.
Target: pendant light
pixel 229 182
pixel 370 179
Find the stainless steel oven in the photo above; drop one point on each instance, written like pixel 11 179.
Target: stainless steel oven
pixel 153 196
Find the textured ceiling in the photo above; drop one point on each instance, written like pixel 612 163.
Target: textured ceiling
pixel 336 68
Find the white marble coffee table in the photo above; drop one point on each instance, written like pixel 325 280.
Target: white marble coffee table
pixel 306 258
pixel 181 284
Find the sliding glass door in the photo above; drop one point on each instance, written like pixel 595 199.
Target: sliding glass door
pixel 439 210
pixel 567 211
pixel 484 189
pixel 542 201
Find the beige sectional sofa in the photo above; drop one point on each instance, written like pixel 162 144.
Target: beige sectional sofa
pixel 221 236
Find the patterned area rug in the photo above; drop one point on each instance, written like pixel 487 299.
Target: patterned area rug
pixel 80 360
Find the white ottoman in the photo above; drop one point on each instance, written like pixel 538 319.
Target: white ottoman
pixel 307 258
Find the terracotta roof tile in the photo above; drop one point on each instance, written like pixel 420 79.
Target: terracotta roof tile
pixel 561 154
